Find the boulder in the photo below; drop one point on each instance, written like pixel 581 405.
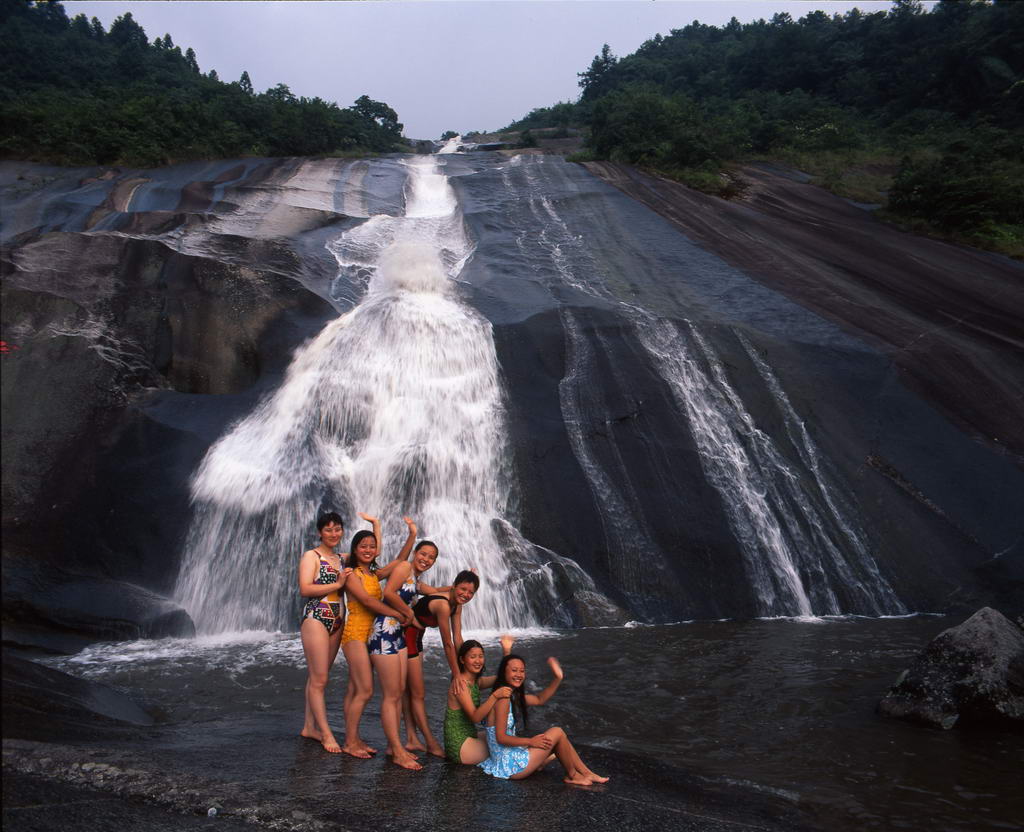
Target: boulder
pixel 41 605
pixel 972 674
pixel 47 705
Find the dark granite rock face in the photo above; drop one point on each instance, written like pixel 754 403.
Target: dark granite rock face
pixel 152 309
pixel 972 674
pixel 42 602
pixel 47 705
pixel 107 324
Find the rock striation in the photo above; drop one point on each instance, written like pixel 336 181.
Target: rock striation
pixel 971 674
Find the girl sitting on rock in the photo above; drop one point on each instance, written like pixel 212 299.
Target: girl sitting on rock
pixel 513 755
pixel 462 740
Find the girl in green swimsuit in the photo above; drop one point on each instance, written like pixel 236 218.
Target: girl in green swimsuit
pixel 461 744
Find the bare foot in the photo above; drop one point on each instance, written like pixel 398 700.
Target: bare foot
pixel 415 745
pixel 436 750
pixel 577 779
pixel 407 761
pixel 330 744
pixel 368 749
pixel 594 778
pixel 390 752
pixel 356 751
pixel 310 734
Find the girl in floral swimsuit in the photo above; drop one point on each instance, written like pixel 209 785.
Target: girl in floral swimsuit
pixel 320 579
pixel 388 652
pixel 513 755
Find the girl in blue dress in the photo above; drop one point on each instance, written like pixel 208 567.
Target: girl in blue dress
pixel 515 755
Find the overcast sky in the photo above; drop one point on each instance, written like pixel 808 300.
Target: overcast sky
pixel 441 64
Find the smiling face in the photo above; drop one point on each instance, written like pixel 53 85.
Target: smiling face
pixel 473 661
pixel 464 592
pixel 330 535
pixel 366 550
pixel 424 558
pixel 515 672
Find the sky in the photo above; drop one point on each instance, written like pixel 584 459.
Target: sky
pixel 458 65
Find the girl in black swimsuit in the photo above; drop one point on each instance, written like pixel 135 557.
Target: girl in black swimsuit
pixel 445 613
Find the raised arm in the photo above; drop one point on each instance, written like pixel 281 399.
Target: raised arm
pixel 506 647
pixel 309 567
pixel 549 691
pixel 391 596
pixel 354 587
pixel 404 552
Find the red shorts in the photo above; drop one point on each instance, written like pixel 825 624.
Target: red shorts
pixel 413 641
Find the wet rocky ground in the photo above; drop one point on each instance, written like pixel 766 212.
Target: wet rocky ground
pixel 256 772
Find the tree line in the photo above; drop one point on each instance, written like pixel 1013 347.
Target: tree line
pixel 73 93
pixel 940 93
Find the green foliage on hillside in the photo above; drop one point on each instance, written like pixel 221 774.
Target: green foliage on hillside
pixel 72 93
pixel 937 98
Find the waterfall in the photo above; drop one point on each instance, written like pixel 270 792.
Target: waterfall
pixel 803 554
pixel 798 554
pixel 394 408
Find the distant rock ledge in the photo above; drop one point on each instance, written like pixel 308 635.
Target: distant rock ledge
pixel 972 674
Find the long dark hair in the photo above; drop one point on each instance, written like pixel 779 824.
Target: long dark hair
pixel 518 699
pixel 468 645
pixel 356 540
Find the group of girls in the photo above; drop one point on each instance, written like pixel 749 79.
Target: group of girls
pixel 383 631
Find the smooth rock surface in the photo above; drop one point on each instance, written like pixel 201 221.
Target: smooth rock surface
pixel 41 603
pixel 971 674
pixel 44 704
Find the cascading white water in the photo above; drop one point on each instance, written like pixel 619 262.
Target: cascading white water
pixel 451 145
pixel 394 408
pixel 856 566
pixel 794 552
pixel 791 557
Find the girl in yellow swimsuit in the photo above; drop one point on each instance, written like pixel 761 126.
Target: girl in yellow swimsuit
pixel 362 587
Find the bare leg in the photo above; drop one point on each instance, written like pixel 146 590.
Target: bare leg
pixel 538 759
pixel 416 695
pixel 473 751
pixel 358 693
pixel 391 671
pixel 316 644
pixel 412 740
pixel 570 759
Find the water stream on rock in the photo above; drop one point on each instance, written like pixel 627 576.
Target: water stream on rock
pixel 796 533
pixel 395 408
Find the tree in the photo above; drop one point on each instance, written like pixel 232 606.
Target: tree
pixel 378 112
pixel 592 81
pixel 126 32
pixel 190 59
pixel 280 92
pixel 245 83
